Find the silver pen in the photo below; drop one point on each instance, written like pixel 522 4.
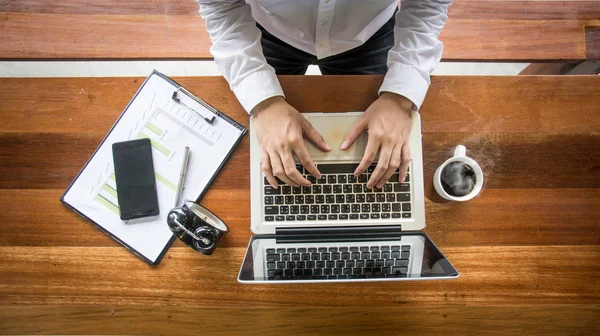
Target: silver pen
pixel 184 165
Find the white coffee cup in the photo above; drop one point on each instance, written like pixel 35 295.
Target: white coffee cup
pixel 459 156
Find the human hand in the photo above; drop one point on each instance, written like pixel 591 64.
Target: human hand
pixel 280 129
pixel 388 123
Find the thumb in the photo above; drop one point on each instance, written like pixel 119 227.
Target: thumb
pixel 356 130
pixel 315 137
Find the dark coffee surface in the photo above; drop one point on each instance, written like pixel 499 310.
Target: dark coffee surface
pixel 458 179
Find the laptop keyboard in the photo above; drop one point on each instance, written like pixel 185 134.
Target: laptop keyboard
pixel 350 262
pixel 337 195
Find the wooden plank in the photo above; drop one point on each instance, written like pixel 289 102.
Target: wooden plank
pixel 592 42
pixel 91 276
pixel 524 10
pixel 172 320
pixel 509 159
pixel 477 104
pixel 103 36
pixel 496 217
pixel 106 7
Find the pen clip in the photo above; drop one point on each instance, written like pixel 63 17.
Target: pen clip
pixel 176 98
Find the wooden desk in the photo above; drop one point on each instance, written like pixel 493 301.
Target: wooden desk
pixel 477 30
pixel 527 247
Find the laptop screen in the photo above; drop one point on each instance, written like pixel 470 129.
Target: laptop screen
pixel 410 256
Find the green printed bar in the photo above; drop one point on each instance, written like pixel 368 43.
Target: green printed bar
pixel 112 177
pixel 109 190
pixel 156 145
pixel 154 128
pixel 108 204
pixel 166 182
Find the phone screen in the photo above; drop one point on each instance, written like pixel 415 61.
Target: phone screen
pixel 134 173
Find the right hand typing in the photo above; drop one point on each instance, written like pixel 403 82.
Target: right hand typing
pixel 280 129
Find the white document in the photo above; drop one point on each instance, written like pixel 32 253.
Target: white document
pixel 171 126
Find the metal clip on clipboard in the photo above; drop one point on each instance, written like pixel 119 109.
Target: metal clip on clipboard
pixel 210 119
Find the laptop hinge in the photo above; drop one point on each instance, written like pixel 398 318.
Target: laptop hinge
pixel 334 233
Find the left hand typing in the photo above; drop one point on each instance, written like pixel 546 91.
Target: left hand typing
pixel 388 123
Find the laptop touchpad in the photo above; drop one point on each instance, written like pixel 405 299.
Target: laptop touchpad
pixel 334 127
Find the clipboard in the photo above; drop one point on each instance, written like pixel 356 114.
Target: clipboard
pixel 165 112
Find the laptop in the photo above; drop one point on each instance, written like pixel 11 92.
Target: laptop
pixel 338 230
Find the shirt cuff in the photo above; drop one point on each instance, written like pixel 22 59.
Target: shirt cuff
pixel 406 81
pixel 257 87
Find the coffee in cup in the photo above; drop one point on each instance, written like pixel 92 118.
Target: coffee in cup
pixel 460 178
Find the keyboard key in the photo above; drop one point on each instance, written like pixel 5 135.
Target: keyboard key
pixel 401 262
pixel 349 198
pixel 311 179
pixel 278 199
pixel 306 190
pixel 335 256
pixel 335 208
pixel 375 216
pixel 325 209
pixel 345 255
pixel 337 168
pixel 360 263
pixel 339 199
pixel 380 198
pixel 389 262
pixel 340 264
pixel 309 199
pixel 311 217
pixel 405 248
pixel 404 254
pixel 386 207
pixel 390 198
pixel 322 217
pixel 385 215
pixel 357 188
pixel 314 209
pixel 365 255
pixel 343 216
pixel 330 264
pixel 270 265
pixel 353 216
pixel 406 215
pixel 337 189
pixel 370 263
pixel 347 188
pixel 331 179
pixel 272 191
pixel 360 198
pixel 320 199
pixel 365 208
pixel 377 189
pixel 289 199
pixel 337 271
pixel 286 190
pixel 322 180
pixel 328 271
pixel 315 256
pixel 362 178
pixel 273 257
pixel 327 189
pixel 271 210
pixel 284 209
pixel 301 217
pixel 395 254
pixel 396 207
pixel 345 208
pixel 290 218
pixel 355 255
pixel 302 250
pixel 379 263
pixel 316 189
pixel 400 270
pixel 286 257
pixel 387 187
pixel 291 250
pixel 299 199
pixel 406 207
pixel 279 218
pixel 402 197
pixel 394 178
pixel 330 199
pixel 280 265
pixel 351 179
pixel 305 256
pixel 268 199
pixel 301 264
pixel 396 215
pixel 296 190
pixel 385 254
pixel 375 207
pixel 332 217
pixel 341 179
pixel 370 198
pixel 317 271
pixel 305 209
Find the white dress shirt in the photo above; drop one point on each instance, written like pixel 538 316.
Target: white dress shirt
pixel 323 28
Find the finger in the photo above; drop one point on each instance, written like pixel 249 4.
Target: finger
pixel 394 164
pixel 279 170
pixel 289 166
pixel 313 136
pixel 265 166
pixel 359 127
pixel 306 160
pixel 404 162
pixel 385 153
pixel 369 156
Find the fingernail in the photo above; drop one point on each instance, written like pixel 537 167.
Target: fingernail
pixel 327 146
pixel 343 146
pixel 379 186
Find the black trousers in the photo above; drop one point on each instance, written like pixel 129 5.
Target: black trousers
pixel 367 59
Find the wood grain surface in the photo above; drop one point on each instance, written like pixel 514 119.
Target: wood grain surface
pixel 527 247
pixel 172 29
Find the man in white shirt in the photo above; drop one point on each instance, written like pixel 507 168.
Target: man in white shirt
pixel 254 40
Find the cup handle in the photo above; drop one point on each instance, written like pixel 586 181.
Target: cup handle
pixel 460 150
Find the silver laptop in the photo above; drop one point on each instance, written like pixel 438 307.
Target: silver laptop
pixel 337 230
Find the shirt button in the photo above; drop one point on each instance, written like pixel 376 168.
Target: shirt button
pixel 321 45
pixel 324 23
pixel 327 1
pixel 300 34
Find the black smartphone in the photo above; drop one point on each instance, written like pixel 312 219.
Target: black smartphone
pixel 134 174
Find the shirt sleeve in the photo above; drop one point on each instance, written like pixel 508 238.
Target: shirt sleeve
pixel 237 51
pixel 417 49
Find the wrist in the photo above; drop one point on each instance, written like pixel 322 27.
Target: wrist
pixel 402 102
pixel 265 104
